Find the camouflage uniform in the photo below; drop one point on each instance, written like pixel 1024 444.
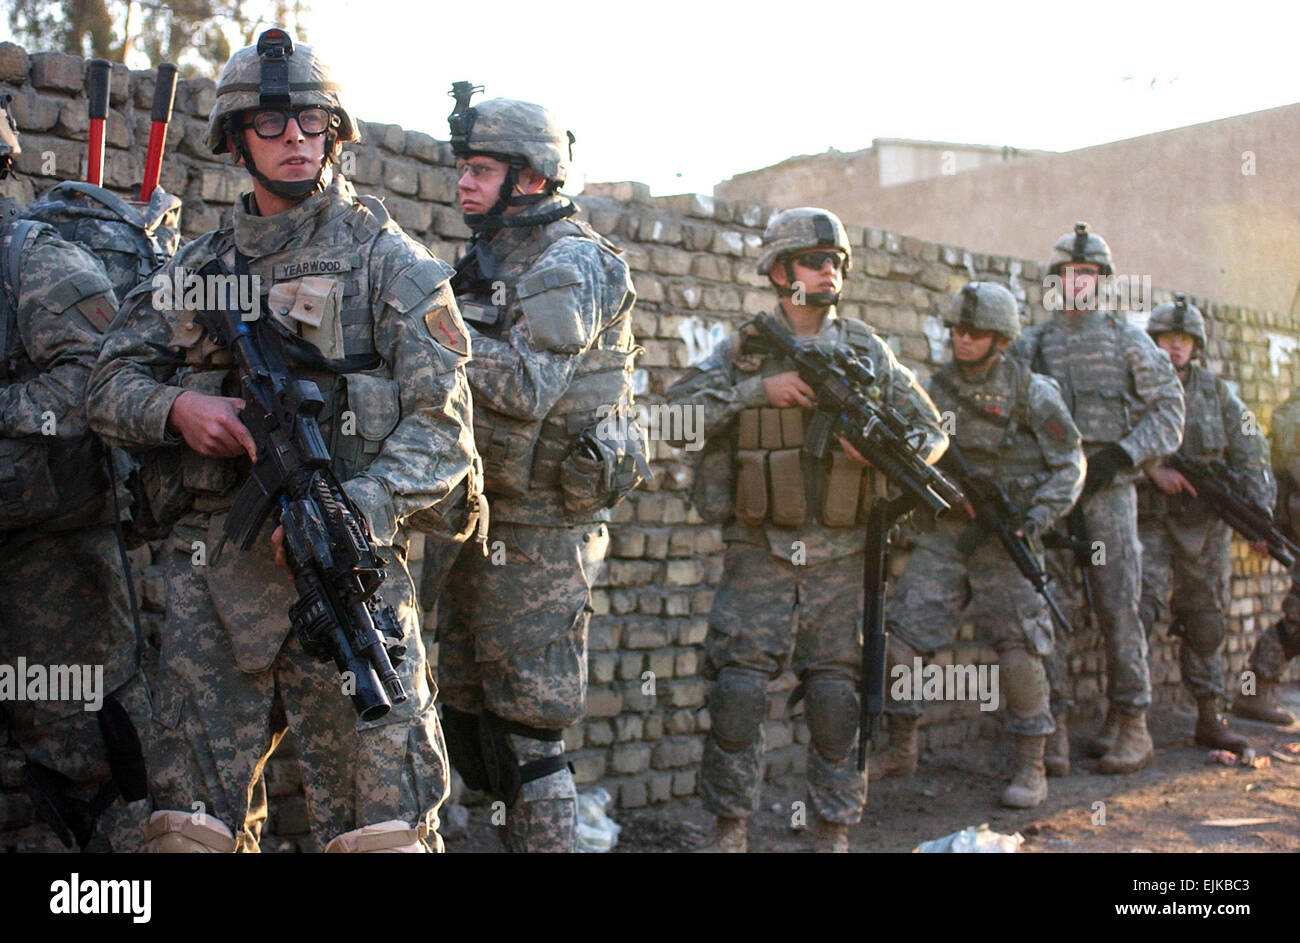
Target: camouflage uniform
pixel 791 594
pixel 387 348
pixel 1280 642
pixel 548 302
pixel 1037 457
pixel 1185 546
pixel 63 577
pixel 513 635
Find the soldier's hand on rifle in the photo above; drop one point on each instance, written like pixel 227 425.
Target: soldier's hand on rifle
pixel 277 543
pixel 856 457
pixel 210 425
pixel 787 389
pixel 1170 481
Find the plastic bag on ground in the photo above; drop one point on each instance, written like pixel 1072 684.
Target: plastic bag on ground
pixel 972 840
pixel 597 832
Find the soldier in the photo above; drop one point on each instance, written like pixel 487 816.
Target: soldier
pixel 1126 400
pixel 792 574
pixel 62 570
pixel 1012 428
pixel 368 315
pixel 548 302
pixel 1186 547
pixel 1280 642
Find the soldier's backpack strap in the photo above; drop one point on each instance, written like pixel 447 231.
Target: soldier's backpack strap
pixel 22 232
pixel 105 198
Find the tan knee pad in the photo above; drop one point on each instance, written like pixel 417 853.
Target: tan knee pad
pixel 393 836
pixel 178 832
pixel 1024 680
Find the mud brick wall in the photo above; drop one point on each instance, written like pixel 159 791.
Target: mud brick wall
pixel 693 263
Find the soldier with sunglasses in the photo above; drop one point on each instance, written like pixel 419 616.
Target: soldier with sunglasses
pixel 791 589
pixel 368 315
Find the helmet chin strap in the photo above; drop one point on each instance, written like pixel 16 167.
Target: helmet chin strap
pixel 495 217
pixel 814 299
pixel 294 190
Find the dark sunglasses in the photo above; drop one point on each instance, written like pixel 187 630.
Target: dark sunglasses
pixel 816 260
pixel 270 122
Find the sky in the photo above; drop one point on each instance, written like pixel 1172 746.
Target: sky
pixel 681 95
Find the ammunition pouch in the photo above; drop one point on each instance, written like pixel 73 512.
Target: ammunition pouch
pixel 605 465
pixel 714 488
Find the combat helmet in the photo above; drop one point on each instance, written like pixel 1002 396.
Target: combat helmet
pixel 1178 315
pixel 1081 246
pixel 277 74
pixel 985 306
pixel 9 148
pixel 520 133
pixel 792 231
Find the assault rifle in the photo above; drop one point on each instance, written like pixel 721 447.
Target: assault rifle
pixel 339 614
pixel 995 513
pixel 1078 541
pixel 1222 489
pixel 840 380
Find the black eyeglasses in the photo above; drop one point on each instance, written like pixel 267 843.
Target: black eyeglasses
pixel 815 260
pixel 270 122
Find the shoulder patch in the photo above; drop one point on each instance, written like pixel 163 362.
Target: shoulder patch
pixel 446 328
pixel 1054 430
pixel 98 311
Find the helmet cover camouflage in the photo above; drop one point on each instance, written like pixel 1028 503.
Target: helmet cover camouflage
pixel 806 227
pixel 1081 246
pixel 1178 315
pixel 505 126
pixel 240 88
pixel 986 306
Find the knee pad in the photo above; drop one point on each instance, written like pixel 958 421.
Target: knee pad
pixel 461 731
pixel 737 703
pixel 177 832
pixel 831 709
pixel 393 836
pixel 505 774
pixel 1203 631
pixel 1024 680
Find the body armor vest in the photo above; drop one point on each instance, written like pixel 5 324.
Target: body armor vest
pixel 522 458
pixel 778 482
pixel 1204 439
pixel 1090 367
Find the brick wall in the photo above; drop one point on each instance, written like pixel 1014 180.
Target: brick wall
pixel 693 263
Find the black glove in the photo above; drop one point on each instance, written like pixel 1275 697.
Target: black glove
pixel 1102 468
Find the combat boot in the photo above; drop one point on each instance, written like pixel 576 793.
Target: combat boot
pixel 1212 728
pixel 730 836
pixel 1133 748
pixel 1056 756
pixel 1102 744
pixel 1028 786
pixel 1261 707
pixel 899 758
pixel 830 837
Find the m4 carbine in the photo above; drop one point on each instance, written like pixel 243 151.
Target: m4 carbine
pixel 336 567
pixel 1222 489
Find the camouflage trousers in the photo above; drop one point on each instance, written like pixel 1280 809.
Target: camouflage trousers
pixel 216 726
pixel 1186 566
pixel 1116 579
pixel 63 602
pixel 769 616
pixel 940 588
pixel 1279 643
pixel 512 640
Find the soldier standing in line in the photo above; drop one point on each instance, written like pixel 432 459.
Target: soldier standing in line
pixel 1280 642
pixel 62 578
pixel 793 570
pixel 1013 429
pixel 368 315
pixel 1128 404
pixel 548 301
pixel 1186 547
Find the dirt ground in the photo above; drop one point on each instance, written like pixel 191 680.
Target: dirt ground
pixel 1182 802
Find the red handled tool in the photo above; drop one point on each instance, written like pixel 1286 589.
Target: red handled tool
pixel 99 71
pixel 164 93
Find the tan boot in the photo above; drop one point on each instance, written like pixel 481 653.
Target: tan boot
pixel 1261 707
pixel 899 758
pixel 730 836
pixel 1056 755
pixel 830 837
pixel 1212 728
pixel 1028 786
pixel 1133 748
pixel 1102 744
